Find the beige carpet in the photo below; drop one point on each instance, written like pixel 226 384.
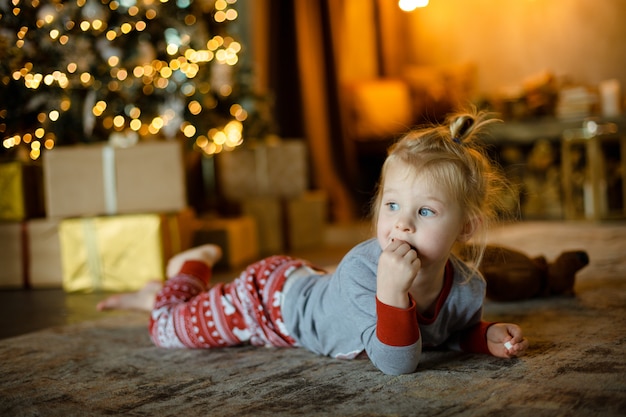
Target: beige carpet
pixel 576 365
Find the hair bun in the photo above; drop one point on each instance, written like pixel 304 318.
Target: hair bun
pixel 460 127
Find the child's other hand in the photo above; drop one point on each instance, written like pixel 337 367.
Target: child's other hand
pixel 397 268
pixel 505 340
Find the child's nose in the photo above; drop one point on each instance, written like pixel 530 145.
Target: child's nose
pixel 405 225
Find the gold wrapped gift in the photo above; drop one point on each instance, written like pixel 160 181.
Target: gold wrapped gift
pixel 20 191
pixel 11 197
pixel 236 236
pixel 118 253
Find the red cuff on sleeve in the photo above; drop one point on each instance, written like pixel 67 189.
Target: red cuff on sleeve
pixel 474 339
pixel 197 269
pixel 397 326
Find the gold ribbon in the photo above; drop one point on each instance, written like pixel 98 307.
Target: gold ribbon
pixel 94 265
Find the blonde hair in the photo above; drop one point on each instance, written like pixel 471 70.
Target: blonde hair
pixel 452 155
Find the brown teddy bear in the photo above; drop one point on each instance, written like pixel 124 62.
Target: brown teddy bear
pixel 512 275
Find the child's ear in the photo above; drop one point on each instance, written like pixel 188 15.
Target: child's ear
pixel 469 228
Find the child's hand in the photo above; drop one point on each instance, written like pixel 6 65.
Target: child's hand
pixel 505 340
pixel 397 268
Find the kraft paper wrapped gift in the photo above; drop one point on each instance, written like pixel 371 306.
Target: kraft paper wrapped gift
pixel 267 212
pixel 44 254
pixel 293 223
pixel 90 180
pixel 117 253
pixel 273 169
pixel 236 236
pixel 30 254
pixel 306 220
pixel 21 193
pixel 11 259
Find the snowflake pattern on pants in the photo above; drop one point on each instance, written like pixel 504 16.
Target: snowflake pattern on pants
pixel 187 313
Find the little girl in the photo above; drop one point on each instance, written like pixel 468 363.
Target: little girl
pixel 389 297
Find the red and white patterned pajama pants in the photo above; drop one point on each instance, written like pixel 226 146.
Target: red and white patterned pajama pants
pixel 187 313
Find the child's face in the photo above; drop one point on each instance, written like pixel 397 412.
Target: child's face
pixel 413 209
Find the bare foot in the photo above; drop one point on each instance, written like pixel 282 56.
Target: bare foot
pixel 142 300
pixel 208 254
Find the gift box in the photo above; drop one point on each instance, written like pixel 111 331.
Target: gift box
pixel 293 224
pixel 119 253
pixel 306 220
pixel 12 262
pixel 90 180
pixel 30 254
pixel 44 254
pixel 21 193
pixel 271 169
pixel 267 212
pixel 236 236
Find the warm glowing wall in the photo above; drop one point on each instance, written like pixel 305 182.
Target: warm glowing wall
pixel 509 40
pixel 354 38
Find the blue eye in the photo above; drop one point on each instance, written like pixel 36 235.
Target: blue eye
pixel 426 212
pixel 393 206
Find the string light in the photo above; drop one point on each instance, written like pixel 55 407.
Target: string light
pixel 70 25
pixel 410 5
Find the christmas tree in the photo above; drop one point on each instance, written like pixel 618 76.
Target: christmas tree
pixel 123 70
